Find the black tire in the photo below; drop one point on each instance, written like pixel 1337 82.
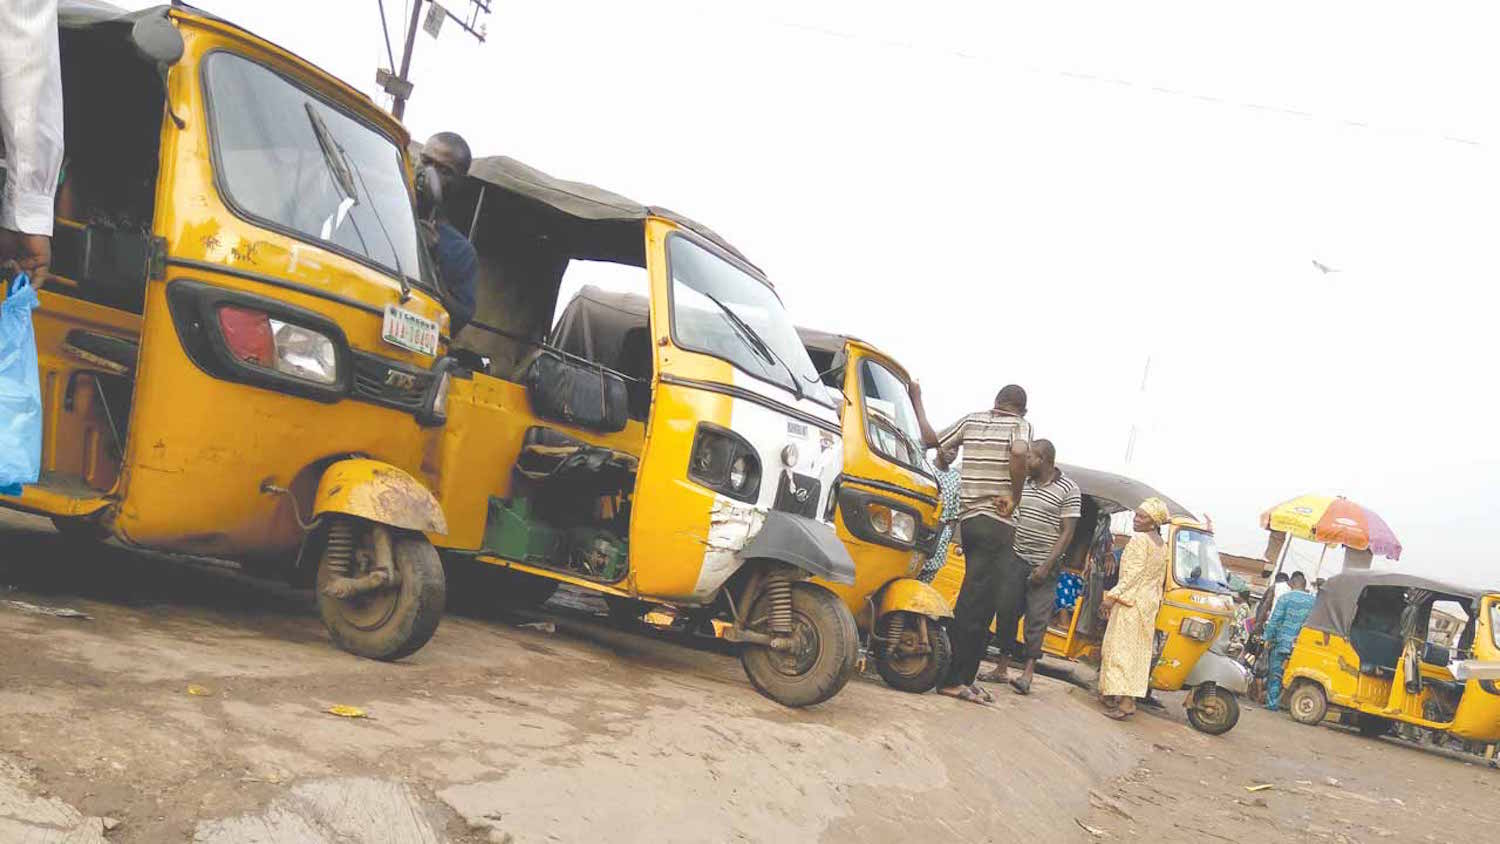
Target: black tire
pixel 1214 710
pixel 1372 726
pixel 392 623
pixel 920 673
pixel 1308 703
pixel 826 662
pixel 80 529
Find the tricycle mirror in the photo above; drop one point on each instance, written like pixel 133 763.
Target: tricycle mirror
pixel 157 40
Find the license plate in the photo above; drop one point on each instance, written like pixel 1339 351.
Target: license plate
pixel 409 331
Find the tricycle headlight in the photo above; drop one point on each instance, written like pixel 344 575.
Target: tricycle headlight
pixel 438 409
pixel 903 526
pixel 304 353
pixel 880 519
pixel 1200 629
pixel 739 473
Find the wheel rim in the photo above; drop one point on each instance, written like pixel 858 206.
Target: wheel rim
pixel 899 654
pixel 1212 709
pixel 369 611
pixel 1304 706
pixel 807 644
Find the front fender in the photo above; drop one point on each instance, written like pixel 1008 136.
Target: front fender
pixel 915 596
pixel 1214 667
pixel 805 543
pixel 380 493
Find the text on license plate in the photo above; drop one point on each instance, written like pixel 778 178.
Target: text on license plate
pixel 409 331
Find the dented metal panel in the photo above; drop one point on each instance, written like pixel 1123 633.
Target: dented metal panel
pixel 381 493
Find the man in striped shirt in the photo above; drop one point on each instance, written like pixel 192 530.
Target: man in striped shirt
pixel 1051 505
pixel 991 477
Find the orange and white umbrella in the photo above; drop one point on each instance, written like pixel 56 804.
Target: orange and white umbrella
pixel 1333 520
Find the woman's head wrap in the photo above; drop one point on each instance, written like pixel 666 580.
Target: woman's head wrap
pixel 1156 509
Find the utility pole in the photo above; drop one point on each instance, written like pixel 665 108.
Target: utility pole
pixel 399 85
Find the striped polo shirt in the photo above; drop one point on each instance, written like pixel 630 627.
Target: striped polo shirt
pixel 985 471
pixel 1040 516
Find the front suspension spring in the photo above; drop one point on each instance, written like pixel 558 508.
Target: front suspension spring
pixel 894 630
pixel 779 594
pixel 338 554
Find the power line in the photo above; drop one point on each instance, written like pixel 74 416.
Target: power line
pixel 1119 82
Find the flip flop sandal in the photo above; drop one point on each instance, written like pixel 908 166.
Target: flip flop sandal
pixel 965 694
pixel 1020 688
pixel 1117 714
pixel 983 693
pixel 993 677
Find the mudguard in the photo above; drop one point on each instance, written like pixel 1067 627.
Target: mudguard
pixel 381 493
pixel 911 595
pixel 1214 667
pixel 805 543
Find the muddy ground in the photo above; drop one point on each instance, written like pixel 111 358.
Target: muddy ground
pixel 191 706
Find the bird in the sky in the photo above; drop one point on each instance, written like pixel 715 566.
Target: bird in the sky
pixel 1324 268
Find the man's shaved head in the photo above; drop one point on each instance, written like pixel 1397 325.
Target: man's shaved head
pixel 459 157
pixel 1044 450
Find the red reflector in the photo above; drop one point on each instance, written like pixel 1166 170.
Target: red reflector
pixel 248 335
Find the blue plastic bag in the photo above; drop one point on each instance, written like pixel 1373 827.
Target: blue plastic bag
pixel 20 391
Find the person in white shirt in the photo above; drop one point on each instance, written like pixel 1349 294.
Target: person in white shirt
pixel 31 127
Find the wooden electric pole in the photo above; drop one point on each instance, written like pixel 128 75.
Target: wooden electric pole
pixel 399 85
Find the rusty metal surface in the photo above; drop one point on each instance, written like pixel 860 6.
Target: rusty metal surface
pixel 381 493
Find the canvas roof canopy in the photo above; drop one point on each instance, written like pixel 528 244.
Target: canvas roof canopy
pixel 1338 599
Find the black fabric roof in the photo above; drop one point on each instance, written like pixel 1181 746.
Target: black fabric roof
pixel 590 222
pixel 1122 492
pixel 1339 597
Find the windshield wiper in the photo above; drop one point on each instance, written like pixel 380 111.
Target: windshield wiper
pixel 756 342
pixel 344 171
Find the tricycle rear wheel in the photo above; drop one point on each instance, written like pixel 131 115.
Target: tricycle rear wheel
pixel 1308 703
pixel 911 672
pixel 1213 710
pixel 825 655
pixel 393 621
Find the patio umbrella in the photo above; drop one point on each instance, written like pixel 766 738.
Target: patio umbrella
pixel 1333 520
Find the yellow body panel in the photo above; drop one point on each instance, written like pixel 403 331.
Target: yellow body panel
pixel 1332 662
pixel 379 492
pixel 199 449
pixel 906 594
pixel 877 566
pixel 1180 653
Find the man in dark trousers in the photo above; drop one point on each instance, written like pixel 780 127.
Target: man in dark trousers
pixel 445 161
pixel 994 444
pixel 1046 518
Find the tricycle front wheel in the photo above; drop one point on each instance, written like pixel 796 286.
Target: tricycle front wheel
pixel 901 658
pixel 1213 710
pixel 386 622
pixel 823 651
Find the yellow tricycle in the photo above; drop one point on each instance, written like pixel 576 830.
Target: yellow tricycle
pixel 887 508
pixel 239 347
pixel 678 459
pixel 1196 607
pixel 1365 654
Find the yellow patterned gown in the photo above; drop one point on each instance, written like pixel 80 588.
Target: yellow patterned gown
pixel 1126 666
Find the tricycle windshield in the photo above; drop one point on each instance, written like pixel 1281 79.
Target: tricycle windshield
pixel 1195 560
pixel 1495 620
pixel 721 310
pixel 890 420
pixel 290 159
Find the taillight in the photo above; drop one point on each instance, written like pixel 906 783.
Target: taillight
pixel 247 333
pixel 258 339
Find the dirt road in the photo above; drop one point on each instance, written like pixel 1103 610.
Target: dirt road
pixel 190 705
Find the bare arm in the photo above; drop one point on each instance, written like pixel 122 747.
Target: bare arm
pixel 929 436
pixel 1019 448
pixel 1054 555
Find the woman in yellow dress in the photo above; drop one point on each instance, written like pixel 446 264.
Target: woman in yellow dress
pixel 1132 605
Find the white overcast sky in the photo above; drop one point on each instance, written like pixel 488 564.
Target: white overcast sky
pixel 1054 193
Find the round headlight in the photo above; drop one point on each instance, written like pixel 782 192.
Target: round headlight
pixel 739 473
pixel 789 455
pixel 880 518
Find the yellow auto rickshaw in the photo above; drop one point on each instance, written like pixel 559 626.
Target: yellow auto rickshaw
pixel 886 513
pixel 1196 607
pixel 239 348
pixel 678 458
pixel 1366 654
